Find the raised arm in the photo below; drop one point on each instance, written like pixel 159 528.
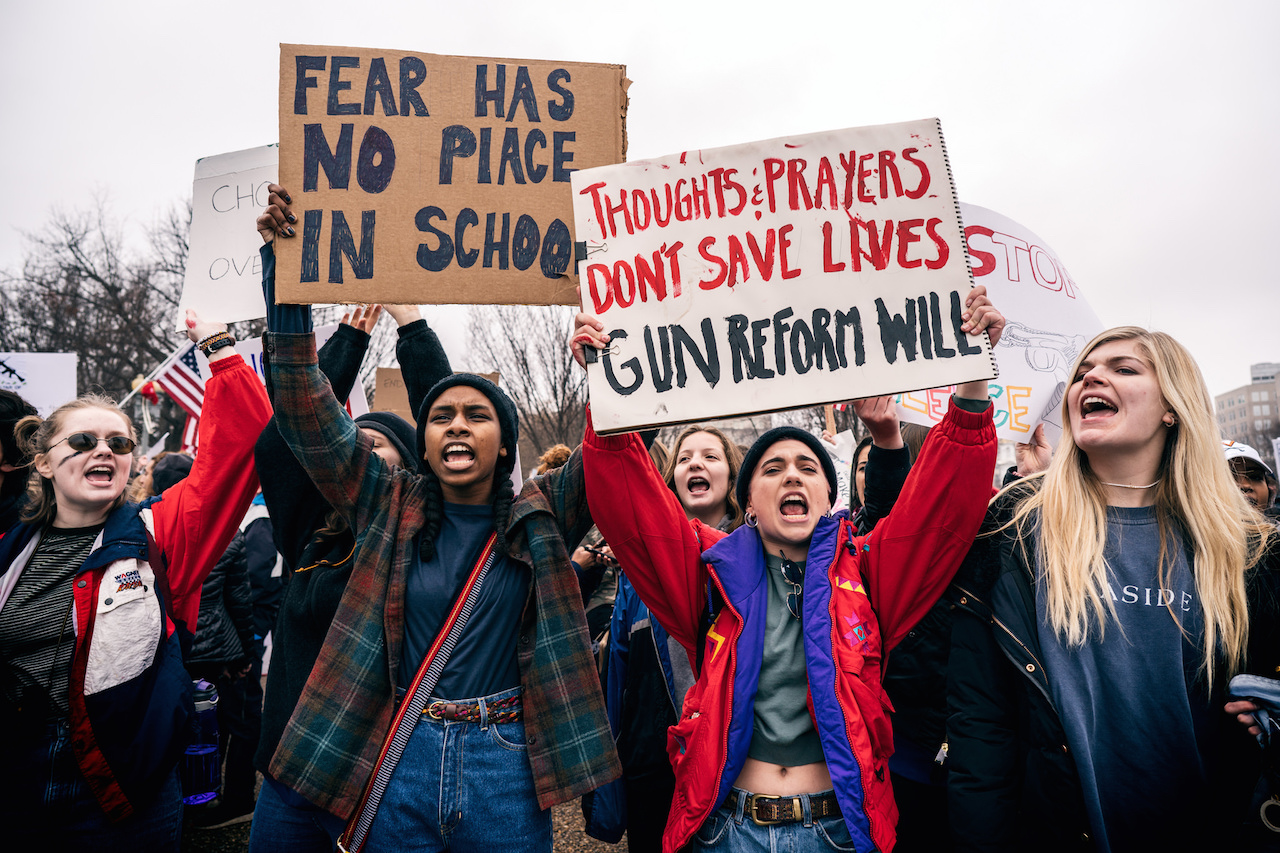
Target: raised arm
pixel 643 523
pixel 335 454
pixel 422 358
pixel 195 519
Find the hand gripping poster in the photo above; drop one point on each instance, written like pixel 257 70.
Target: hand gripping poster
pixel 1048 324
pixel 773 275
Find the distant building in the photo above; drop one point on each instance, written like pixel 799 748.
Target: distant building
pixel 1251 413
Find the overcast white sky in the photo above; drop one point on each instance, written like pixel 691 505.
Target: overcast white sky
pixel 1137 139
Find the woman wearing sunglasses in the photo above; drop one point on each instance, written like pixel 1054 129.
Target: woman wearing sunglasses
pixel 784 739
pixel 94 591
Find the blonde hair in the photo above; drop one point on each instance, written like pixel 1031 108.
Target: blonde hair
pixel 34 435
pixel 732 456
pixel 1196 496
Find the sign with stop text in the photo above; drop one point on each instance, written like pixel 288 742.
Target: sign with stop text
pixel 223 279
pixel 1048 322
pixel 419 178
pixel 775 275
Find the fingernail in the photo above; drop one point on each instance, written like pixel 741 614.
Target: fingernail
pixel 292 218
pixel 286 198
pixel 288 230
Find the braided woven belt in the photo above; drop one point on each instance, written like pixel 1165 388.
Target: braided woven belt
pixel 509 710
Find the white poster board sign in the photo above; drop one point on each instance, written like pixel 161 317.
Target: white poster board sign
pixel 46 380
pixel 224 271
pixel 774 275
pixel 1049 322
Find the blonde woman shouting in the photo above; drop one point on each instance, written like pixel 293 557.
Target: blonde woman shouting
pixel 1101 613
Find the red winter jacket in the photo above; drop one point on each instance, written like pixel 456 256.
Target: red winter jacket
pixel 861 597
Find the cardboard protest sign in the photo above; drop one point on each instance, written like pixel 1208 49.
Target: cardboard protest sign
pixel 391 395
pixel 1049 322
pixel 773 275
pixel 224 271
pixel 46 380
pixel 419 178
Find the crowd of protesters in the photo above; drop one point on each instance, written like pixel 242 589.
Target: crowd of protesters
pixel 688 638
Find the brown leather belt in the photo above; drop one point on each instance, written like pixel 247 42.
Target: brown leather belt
pixel 509 710
pixel 767 811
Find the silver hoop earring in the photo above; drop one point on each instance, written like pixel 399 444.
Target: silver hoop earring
pixel 750 520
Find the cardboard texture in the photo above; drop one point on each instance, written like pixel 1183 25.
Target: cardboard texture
pixel 1049 322
pixel 223 279
pixel 774 275
pixel 390 394
pixel 428 179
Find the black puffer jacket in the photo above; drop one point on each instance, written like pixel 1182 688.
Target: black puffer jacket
pixel 1013 783
pixel 224 632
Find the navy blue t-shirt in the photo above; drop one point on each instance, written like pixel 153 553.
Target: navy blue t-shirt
pixel 484 661
pixel 1138 716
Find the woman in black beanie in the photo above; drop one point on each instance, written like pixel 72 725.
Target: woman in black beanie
pixel 784 739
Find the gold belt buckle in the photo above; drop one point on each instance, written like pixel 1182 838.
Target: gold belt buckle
pixel 797 812
pixel 433 710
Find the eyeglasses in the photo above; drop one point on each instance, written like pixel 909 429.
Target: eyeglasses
pixel 83 442
pixel 794 575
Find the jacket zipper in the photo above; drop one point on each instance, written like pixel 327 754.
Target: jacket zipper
pixel 724 745
pixel 1020 665
pixel 847 734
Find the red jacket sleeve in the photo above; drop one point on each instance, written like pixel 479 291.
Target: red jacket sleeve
pixel 914 553
pixel 196 518
pixel 641 519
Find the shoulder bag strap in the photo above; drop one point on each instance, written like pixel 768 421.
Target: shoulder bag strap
pixel 415 700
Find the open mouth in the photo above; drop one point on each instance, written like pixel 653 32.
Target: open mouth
pixel 1096 406
pixel 100 475
pixel 794 506
pixel 698 486
pixel 458 456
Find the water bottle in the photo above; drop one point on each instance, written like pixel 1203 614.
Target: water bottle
pixel 201 769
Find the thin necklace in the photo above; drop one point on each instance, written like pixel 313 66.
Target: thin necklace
pixel 1127 486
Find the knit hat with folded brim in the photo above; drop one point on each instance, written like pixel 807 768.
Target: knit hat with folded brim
pixel 508 419
pixel 772 437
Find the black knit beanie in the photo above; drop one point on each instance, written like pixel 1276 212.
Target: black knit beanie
pixel 396 430
pixel 508 420
pixel 772 437
pixel 172 469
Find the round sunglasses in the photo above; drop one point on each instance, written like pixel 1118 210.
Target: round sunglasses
pixel 83 442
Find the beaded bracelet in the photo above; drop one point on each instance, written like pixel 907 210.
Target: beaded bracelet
pixel 215 342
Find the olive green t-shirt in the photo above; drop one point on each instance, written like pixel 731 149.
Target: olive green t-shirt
pixel 784 732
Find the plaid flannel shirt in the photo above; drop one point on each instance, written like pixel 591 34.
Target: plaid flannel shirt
pixel 332 740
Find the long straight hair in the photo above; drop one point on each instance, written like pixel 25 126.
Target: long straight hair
pixel 732 456
pixel 1196 496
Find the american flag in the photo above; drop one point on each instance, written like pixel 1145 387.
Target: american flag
pixel 182 381
pixel 191 436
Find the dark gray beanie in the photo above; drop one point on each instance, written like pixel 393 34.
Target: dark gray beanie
pixel 396 430
pixel 173 468
pixel 508 419
pixel 772 437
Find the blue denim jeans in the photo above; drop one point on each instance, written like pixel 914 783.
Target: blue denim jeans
pixel 462 787
pixel 733 831
pixel 285 822
pixel 47 804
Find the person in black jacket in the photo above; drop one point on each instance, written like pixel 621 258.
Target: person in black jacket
pixel 1101 612
pixel 317 549
pixel 14 469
